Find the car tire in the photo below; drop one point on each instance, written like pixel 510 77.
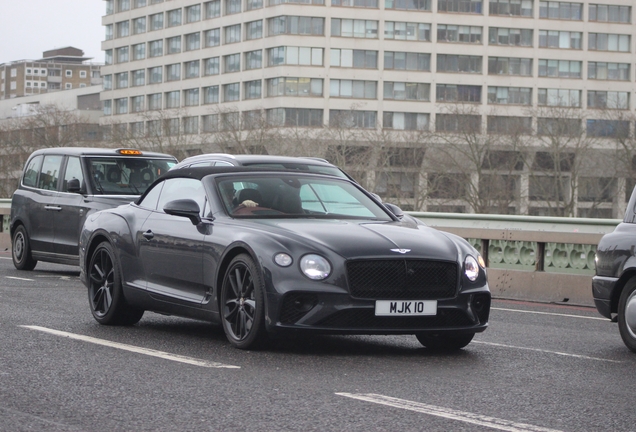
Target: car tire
pixel 441 342
pixel 627 314
pixel 21 250
pixel 243 304
pixel 105 294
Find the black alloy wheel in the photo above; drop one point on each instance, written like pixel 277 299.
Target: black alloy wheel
pixel 105 295
pixel 627 314
pixel 441 342
pixel 243 304
pixel 21 250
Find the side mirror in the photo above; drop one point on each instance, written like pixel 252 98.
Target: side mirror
pixel 73 186
pixel 185 208
pixel 395 210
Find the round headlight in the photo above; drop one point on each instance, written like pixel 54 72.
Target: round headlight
pixel 315 267
pixel 283 260
pixel 471 268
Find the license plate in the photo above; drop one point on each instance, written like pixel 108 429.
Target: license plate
pixel 405 307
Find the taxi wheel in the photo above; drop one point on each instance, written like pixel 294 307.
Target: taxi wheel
pixel 21 250
pixel 243 304
pixel 627 314
pixel 105 295
pixel 442 342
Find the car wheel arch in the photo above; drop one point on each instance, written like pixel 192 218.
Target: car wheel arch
pixel 96 239
pixel 624 279
pixel 230 253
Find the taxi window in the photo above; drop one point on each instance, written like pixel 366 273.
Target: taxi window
pixel 73 171
pixel 50 172
pixel 31 172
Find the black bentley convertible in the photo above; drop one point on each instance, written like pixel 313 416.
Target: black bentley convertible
pixel 264 252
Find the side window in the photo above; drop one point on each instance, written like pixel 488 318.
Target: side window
pixel 152 197
pixel 182 188
pixel 73 171
pixel 31 172
pixel 50 172
pixel 201 164
pixel 223 163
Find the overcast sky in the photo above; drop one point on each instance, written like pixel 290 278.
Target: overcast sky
pixel 30 27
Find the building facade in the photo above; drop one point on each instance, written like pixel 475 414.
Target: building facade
pixel 420 67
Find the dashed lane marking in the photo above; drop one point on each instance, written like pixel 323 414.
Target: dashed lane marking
pixel 19 278
pixel 549 313
pixel 466 417
pixel 135 349
pixel 546 351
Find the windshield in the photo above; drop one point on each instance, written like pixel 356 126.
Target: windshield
pixel 280 195
pixel 125 175
pixel 320 169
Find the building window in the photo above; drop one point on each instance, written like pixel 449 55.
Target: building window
pixel 137 129
pixel 608 128
pixel 608 99
pixel 107 82
pixel 122 56
pixel 610 13
pixel 155 48
pixel 560 68
pixel 609 42
pixel 294 117
pixel 554 127
pixel 190 125
pixel 460 34
pixel 561 10
pixel 193 13
pixel 509 66
pixel 211 95
pixel 153 128
pixel 407 31
pixel 82 74
pixel 253 59
pixel 277 2
pixel 109 32
pixel 191 69
pixel 559 39
pixel 465 6
pixel 232 7
pixel 407 61
pixel 171 127
pixel 407 91
pixel 173 72
pixel 252 89
pixel 608 71
pixel 156 21
pixel 138 77
pixel 457 93
pixel 211 66
pixel 155 75
pixel 294 86
pixel 510 95
pixel 254 4
pixel 110 8
pixel 404 121
pixel 212 37
pixel 458 63
pixel 418 5
pixel 350 119
pixel 137 104
pixel 154 101
pixel 140 3
pixel 232 63
pixel 123 5
pixel 123 29
pixel 232 34
pixel 559 97
pixel 254 30
pixel 354 28
pixel 510 36
pixel 509 125
pixel 173 45
pixel 360 59
pixel 108 107
pixel 173 99
pixel 139 25
pixel 174 18
pixel 139 51
pixel 296 25
pixel 458 123
pixel 210 123
pixel 121 106
pixel 521 8
pixel 121 80
pixel 231 92
pixel 356 89
pixel 108 57
pixel 212 9
pixel 67 86
pixel 191 97
pixel 303 56
pixel 193 41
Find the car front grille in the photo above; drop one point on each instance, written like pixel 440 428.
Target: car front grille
pixel 402 279
pixel 366 319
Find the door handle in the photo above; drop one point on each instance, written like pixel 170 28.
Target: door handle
pixel 148 235
pixel 50 207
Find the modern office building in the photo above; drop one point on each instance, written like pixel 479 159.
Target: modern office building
pixel 430 66
pixel 58 69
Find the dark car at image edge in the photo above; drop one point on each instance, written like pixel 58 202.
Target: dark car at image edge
pixel 265 252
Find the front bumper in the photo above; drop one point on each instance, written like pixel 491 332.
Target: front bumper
pixel 603 291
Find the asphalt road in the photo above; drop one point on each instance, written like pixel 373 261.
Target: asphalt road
pixel 538 367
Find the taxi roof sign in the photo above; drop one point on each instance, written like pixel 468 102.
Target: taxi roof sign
pixel 129 152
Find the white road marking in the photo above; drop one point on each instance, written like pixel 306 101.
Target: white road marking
pixel 135 349
pixel 549 313
pixel 19 278
pixel 467 417
pixel 546 351
pixel 6 258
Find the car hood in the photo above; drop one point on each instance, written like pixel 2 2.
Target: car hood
pixel 362 239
